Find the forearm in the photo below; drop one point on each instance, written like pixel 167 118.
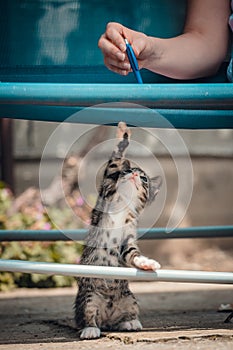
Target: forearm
pixel 200 49
pixel 185 57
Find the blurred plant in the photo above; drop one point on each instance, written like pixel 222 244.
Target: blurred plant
pixel 35 217
pixel 59 252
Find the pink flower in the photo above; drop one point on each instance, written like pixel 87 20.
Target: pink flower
pixel 47 226
pixel 80 201
pixel 77 260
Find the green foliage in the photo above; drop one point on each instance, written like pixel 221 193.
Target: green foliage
pixel 58 252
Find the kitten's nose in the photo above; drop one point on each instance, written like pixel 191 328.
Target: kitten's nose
pixel 134 175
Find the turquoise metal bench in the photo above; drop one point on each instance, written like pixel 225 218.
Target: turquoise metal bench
pixel 49 77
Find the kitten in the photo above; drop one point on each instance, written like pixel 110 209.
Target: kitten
pixel 108 304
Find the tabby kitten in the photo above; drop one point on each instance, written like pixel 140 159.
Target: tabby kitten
pixel 105 304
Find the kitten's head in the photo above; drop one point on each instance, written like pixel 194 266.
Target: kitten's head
pixel 139 186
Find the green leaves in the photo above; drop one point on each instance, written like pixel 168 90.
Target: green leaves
pixel 35 218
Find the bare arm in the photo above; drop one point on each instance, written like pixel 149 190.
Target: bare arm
pixel 197 52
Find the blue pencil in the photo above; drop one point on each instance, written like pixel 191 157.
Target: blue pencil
pixel 133 62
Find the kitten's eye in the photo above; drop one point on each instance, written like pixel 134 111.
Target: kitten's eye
pixel 144 179
pixel 113 165
pixel 128 171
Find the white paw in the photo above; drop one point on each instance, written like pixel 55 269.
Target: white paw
pixel 133 325
pixel 122 129
pixel 90 333
pixel 144 263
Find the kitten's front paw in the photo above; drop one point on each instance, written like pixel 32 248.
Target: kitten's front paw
pixel 144 263
pixel 123 129
pixel 90 333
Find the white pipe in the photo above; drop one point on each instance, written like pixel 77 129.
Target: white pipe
pixel 116 272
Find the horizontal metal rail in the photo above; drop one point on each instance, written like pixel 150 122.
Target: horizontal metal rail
pixel 116 272
pixel 160 118
pixel 143 233
pixel 152 95
pixel 187 106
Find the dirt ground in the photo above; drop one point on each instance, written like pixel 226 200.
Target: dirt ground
pixel 174 316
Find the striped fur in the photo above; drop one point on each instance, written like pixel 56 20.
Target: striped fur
pixel 109 304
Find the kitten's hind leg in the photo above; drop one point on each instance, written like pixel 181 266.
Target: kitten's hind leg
pixel 133 325
pixel 87 315
pixel 126 313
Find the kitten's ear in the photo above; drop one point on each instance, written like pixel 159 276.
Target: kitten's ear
pixel 126 164
pixel 155 184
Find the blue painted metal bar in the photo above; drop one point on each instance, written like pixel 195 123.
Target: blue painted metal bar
pixel 187 106
pixel 159 118
pixel 143 233
pixel 115 272
pixel 152 95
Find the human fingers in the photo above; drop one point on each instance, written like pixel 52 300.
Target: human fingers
pixel 114 58
pixel 115 32
pixel 124 65
pixel 122 68
pixel 109 49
